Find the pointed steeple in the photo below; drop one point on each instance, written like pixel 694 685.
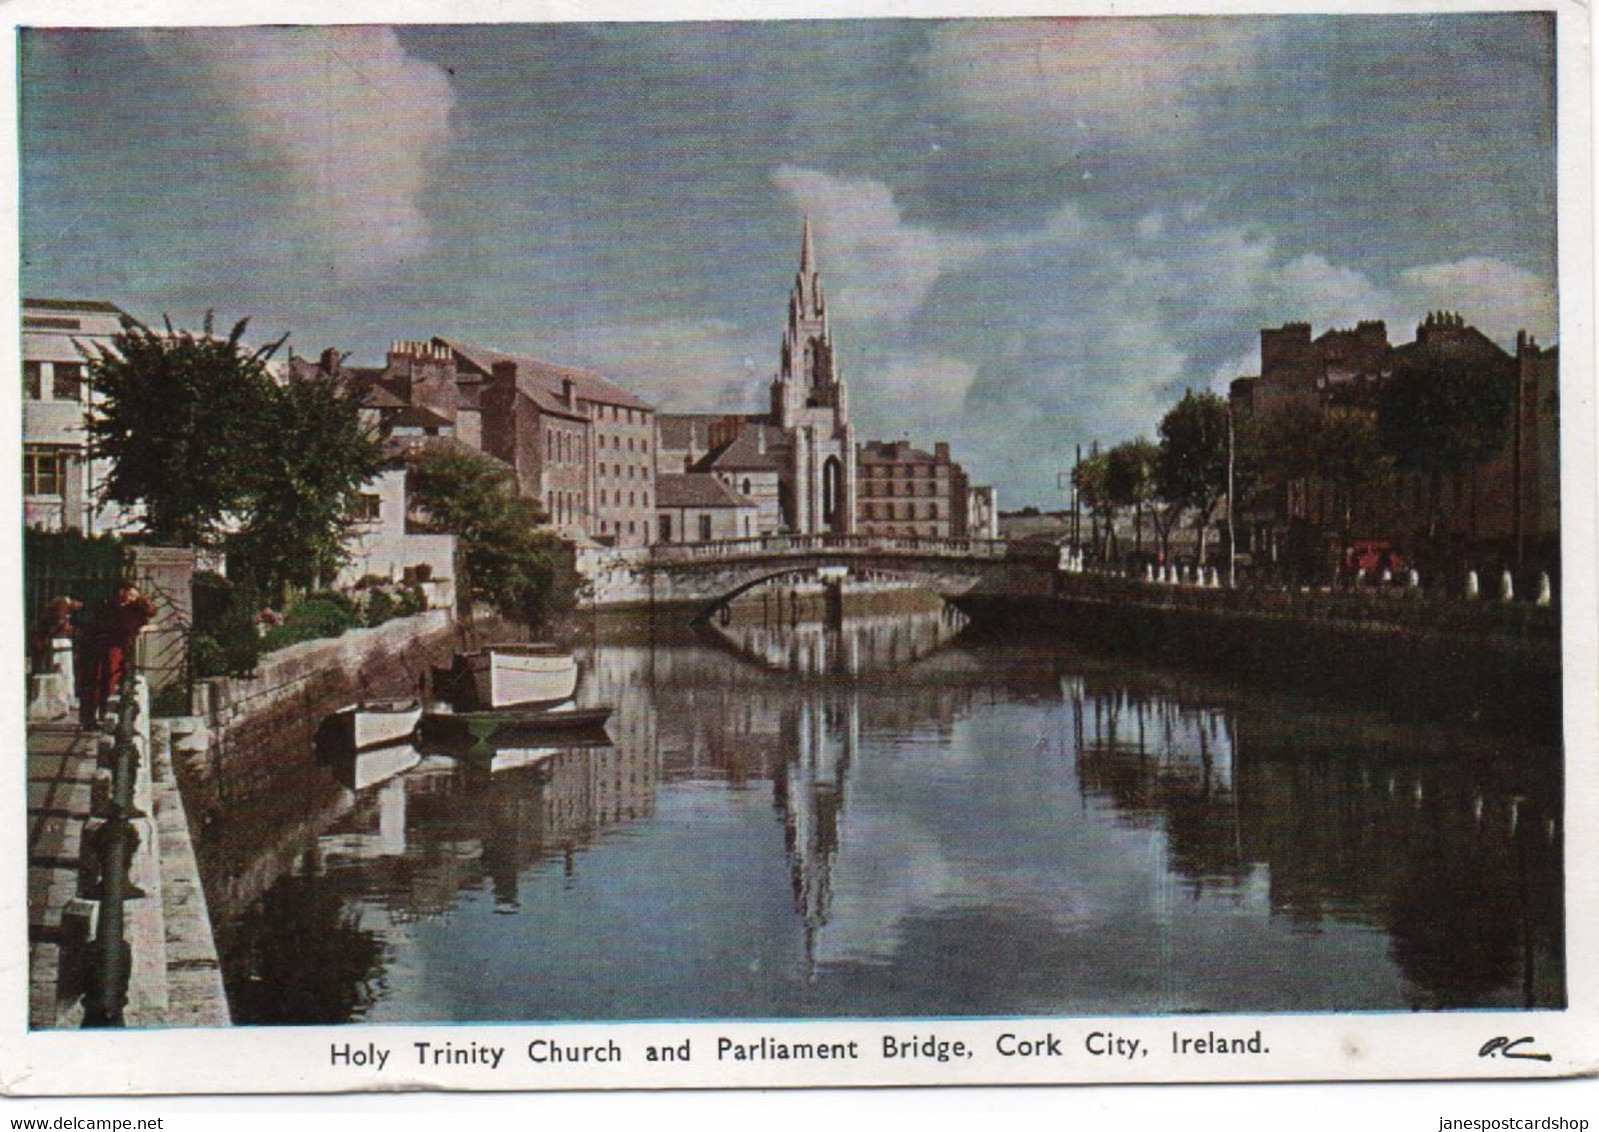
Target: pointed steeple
pixel 807 251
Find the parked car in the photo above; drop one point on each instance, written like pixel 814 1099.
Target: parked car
pixel 1373 556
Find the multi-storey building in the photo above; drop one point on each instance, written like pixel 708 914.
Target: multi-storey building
pixel 59 482
pixel 910 493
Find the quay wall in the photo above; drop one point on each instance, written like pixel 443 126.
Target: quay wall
pixel 241 728
pixel 1499 666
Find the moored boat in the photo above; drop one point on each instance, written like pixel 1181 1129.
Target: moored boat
pixel 376 723
pixel 518 675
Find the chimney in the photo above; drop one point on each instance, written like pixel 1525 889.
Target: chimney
pixel 503 373
pixel 569 392
pixel 941 451
pixel 330 361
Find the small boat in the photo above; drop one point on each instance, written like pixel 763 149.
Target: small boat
pixel 361 769
pixel 376 723
pixel 515 675
pixel 482 725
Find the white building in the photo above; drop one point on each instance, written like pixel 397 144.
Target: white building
pixel 59 483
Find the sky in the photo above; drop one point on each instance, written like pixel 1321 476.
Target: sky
pixel 1034 234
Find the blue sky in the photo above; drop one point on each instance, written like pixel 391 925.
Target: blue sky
pixel 1033 233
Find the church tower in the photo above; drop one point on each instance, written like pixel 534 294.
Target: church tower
pixel 808 375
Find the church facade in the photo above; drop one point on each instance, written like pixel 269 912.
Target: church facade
pixel 797 462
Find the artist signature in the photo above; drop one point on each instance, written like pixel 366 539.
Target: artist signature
pixel 1506 1047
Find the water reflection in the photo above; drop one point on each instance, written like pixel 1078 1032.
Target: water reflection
pixel 988 831
pixel 857 643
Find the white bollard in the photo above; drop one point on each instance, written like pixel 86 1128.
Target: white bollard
pixel 1507 587
pixel 1472 591
pixel 1360 577
pixel 1149 572
pixel 1215 578
pixel 1414 581
pixel 1387 577
pixel 1546 593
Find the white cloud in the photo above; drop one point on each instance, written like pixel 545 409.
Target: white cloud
pixel 1496 297
pixel 1057 82
pixel 343 117
pixel 922 396
pixel 679 365
pixel 878 265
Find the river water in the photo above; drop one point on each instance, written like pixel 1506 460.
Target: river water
pixel 894 819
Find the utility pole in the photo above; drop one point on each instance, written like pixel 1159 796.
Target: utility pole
pixel 1232 532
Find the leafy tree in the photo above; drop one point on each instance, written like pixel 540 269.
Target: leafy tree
pixel 316 455
pixel 1442 413
pixel 179 417
pixel 1091 478
pixel 1130 481
pixel 1192 469
pixel 502 559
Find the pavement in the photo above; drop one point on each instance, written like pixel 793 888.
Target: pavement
pixel 63 760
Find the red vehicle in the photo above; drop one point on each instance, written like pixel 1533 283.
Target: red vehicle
pixel 1373 556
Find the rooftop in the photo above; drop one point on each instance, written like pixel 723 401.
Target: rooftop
pixel 547 377
pixel 696 489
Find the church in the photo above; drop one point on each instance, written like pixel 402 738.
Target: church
pixel 797 462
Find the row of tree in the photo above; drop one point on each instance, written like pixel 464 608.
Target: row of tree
pixel 216 453
pixel 1438 415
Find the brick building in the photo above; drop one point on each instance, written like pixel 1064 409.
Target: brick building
pixel 907 492
pixel 1510 502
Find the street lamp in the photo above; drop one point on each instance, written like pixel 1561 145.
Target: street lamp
pixel 1232 532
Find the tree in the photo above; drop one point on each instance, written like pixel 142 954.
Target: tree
pixel 315 456
pixel 1091 478
pixel 503 560
pixel 1441 413
pixel 1192 469
pixel 178 416
pixel 1130 481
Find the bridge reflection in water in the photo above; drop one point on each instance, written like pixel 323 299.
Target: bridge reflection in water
pixel 971 830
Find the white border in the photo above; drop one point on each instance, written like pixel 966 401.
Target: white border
pixel 1327 1047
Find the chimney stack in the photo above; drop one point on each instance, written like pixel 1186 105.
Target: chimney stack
pixel 503 373
pixel 569 392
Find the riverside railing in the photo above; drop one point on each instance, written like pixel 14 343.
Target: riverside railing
pixel 772 545
pixel 111 954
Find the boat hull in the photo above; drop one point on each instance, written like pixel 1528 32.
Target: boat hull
pixel 377 723
pixel 502 677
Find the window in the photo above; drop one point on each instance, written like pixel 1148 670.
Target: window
pixel 32 380
pixel 644 446
pixel 932 510
pixel 646 498
pixel 602 469
pixel 746 485
pixel 67 384
pixel 43 471
pixel 630 444
pixel 705 528
pixel 602 497
pixel 630 502
pixel 666 528
pixel 630 526
pixel 368 508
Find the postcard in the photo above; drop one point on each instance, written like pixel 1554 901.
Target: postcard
pixel 938 547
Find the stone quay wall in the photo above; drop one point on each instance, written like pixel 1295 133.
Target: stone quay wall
pixel 240 727
pixel 1491 664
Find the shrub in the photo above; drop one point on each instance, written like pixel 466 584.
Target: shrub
pixel 171 701
pixel 324 614
pixel 380 606
pixel 223 640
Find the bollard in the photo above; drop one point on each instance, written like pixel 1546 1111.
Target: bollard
pixel 1149 572
pixel 1360 577
pixel 1507 587
pixel 1471 585
pixel 1215 578
pixel 1546 594
pixel 1387 578
pixel 1414 581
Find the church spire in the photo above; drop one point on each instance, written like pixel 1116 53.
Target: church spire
pixel 807 251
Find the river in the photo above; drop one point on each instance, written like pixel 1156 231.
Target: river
pixel 899 819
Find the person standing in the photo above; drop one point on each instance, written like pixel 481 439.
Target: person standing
pixel 108 648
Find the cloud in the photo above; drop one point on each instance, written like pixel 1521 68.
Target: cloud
pixel 1497 297
pixel 1067 85
pixel 700 365
pixel 343 117
pixel 924 396
pixel 880 266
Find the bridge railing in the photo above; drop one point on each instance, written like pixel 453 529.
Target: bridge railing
pixel 771 545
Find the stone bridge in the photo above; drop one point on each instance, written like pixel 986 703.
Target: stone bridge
pixel 705 574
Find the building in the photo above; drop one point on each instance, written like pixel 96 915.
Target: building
pixel 799 461
pixel 59 482
pixel 583 446
pixel 384 544
pixel 1509 502
pixel 908 493
pixel 699 507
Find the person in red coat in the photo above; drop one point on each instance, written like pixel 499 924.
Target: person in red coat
pixel 108 648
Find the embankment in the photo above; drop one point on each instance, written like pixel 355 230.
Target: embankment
pixel 1494 664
